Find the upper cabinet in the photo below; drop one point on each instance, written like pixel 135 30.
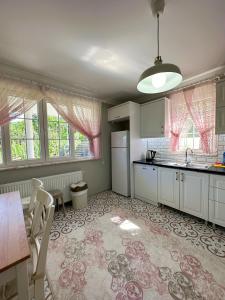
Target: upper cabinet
pixel 153 118
pixel 220 107
pixel 119 112
pixel 220 94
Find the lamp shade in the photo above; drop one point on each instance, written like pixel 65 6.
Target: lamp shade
pixel 159 78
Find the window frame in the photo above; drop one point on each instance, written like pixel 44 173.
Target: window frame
pixel 7 145
pixel 8 163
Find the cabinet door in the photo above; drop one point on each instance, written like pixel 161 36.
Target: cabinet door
pixel 168 187
pixel 153 118
pixel 220 94
pixel 145 182
pixel 220 120
pixel 217 213
pixel 194 188
pixel 119 112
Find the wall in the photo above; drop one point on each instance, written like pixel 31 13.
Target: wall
pixel 96 173
pixel 161 145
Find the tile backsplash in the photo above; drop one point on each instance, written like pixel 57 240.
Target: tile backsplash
pixel 162 146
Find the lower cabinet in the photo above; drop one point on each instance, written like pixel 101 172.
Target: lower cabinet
pixel 195 193
pixel 145 183
pixel 194 187
pixel 217 200
pixel 184 190
pixel 168 187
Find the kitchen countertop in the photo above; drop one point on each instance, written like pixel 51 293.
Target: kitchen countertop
pixel 173 165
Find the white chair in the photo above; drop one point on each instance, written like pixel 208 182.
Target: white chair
pixel 29 202
pixel 41 225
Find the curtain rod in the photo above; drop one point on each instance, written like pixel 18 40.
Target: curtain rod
pixel 214 78
pixel 48 86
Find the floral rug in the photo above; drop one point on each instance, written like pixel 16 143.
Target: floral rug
pixel 122 256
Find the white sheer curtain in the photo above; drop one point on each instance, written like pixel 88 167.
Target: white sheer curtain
pixel 16 97
pixel 83 114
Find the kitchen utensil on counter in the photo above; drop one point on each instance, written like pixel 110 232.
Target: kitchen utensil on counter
pixel 150 155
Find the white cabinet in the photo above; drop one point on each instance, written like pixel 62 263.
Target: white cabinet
pixel 184 190
pixel 220 107
pixel 220 94
pixel 194 188
pixel 119 112
pixel 217 200
pixel 168 187
pixel 145 183
pixel 153 118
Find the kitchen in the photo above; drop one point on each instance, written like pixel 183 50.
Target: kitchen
pixel 186 179
pixel 112 150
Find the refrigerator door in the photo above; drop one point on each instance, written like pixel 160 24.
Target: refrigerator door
pixel 119 139
pixel 120 171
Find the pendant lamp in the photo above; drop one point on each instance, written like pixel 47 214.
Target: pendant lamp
pixel 162 76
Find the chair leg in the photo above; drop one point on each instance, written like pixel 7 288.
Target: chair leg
pixel 39 291
pixel 64 212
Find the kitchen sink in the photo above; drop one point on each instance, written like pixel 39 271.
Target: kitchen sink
pixel 191 165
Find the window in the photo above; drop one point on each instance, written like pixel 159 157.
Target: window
pixel 24 136
pixel 189 137
pixel 58 134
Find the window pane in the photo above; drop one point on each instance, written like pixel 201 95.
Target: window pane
pixel 64 148
pixel 17 129
pixel 24 136
pixel 18 150
pixel 32 113
pixel 33 149
pixel 52 113
pixel 81 146
pixel 58 134
pixel 36 130
pixel 37 149
pixel 53 130
pixel 64 131
pixel 53 148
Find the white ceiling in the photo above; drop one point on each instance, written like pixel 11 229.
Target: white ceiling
pixel 104 45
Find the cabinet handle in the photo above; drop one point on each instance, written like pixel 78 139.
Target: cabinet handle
pixel 177 176
pixel 182 177
pixel 162 129
pixel 153 169
pixel 144 168
pixel 117 117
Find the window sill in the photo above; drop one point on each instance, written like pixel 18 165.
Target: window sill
pixel 46 163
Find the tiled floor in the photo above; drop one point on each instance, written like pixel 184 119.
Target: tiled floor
pixel 189 228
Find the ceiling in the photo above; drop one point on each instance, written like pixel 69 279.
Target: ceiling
pixel 104 45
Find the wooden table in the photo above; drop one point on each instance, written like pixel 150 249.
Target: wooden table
pixel 14 248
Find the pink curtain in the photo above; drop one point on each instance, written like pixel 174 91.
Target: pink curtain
pixel 16 97
pixel 201 104
pixel 81 113
pixel 178 114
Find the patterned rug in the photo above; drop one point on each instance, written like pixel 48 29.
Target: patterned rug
pixel 124 249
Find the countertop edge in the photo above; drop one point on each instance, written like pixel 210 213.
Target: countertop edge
pixel 214 171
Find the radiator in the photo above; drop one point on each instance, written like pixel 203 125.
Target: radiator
pixel 61 182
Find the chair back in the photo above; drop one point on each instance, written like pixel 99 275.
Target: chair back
pixel 40 232
pixel 36 185
pixel 44 202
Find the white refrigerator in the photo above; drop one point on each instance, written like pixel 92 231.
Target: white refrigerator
pixel 120 162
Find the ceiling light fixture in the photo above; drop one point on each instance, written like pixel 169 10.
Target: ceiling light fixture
pixel 162 76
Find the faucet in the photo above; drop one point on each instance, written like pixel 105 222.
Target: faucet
pixel 187 161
